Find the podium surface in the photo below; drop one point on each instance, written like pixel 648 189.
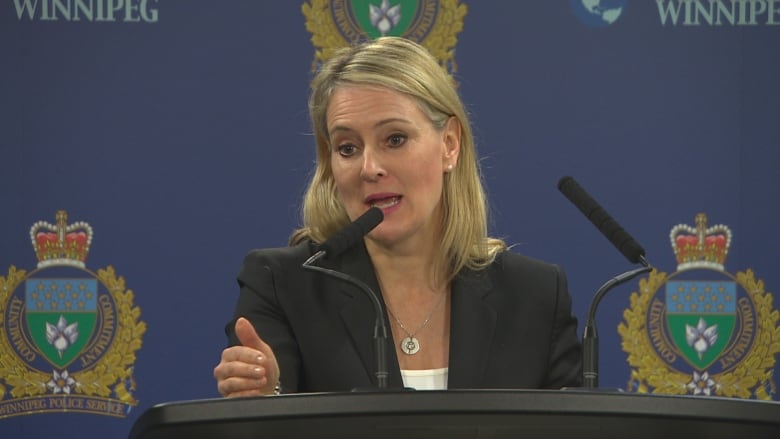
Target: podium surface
pixel 462 414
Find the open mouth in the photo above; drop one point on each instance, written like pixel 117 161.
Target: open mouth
pixel 384 203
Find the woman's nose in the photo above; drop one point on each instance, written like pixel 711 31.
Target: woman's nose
pixel 372 167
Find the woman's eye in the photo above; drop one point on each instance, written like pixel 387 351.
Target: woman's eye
pixel 396 140
pixel 346 150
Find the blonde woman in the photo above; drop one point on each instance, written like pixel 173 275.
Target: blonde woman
pixel 463 309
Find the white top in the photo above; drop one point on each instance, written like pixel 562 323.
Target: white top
pixel 426 379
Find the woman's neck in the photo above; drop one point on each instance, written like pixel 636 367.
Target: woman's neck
pixel 408 264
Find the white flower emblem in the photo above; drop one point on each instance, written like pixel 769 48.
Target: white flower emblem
pixel 384 17
pixel 61 382
pixel 701 337
pixel 702 384
pixel 63 335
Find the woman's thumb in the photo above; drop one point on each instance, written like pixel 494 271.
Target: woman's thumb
pixel 248 336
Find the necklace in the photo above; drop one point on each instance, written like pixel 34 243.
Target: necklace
pixel 410 345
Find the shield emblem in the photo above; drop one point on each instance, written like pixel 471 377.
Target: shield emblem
pixel 384 18
pixel 61 315
pixel 701 316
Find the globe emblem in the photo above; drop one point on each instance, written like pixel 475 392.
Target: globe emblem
pixel 598 13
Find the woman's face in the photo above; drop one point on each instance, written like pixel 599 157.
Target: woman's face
pixel 385 152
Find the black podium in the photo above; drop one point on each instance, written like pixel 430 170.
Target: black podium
pixel 463 414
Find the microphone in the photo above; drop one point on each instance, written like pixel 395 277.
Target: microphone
pixel 348 237
pixel 629 247
pixel 352 233
pixel 602 220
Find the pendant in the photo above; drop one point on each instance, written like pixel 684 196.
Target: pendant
pixel 410 345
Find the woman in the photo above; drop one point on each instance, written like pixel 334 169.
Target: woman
pixel 464 310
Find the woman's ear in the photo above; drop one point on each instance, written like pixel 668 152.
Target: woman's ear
pixel 451 138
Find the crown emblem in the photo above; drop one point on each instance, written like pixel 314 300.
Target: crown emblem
pixel 702 246
pixel 61 244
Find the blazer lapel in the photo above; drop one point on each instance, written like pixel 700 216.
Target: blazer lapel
pixel 359 317
pixel 473 323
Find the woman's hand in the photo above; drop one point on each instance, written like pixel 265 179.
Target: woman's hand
pixel 247 370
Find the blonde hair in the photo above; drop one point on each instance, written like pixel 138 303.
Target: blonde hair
pixel 404 66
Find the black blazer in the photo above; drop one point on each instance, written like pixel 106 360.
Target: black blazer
pixel 512 325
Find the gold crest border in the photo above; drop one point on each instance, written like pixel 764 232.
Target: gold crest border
pixel 441 40
pixel 114 368
pixel 649 370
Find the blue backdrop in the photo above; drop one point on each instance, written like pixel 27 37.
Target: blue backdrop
pixel 178 130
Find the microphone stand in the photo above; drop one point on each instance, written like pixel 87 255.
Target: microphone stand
pixel 380 329
pixel 590 338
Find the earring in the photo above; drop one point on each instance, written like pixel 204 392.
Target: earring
pixel 449 167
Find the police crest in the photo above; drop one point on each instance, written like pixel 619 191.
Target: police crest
pixel 701 330
pixel 69 335
pixel 338 23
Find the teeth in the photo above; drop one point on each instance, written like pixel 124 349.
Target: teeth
pixel 386 203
